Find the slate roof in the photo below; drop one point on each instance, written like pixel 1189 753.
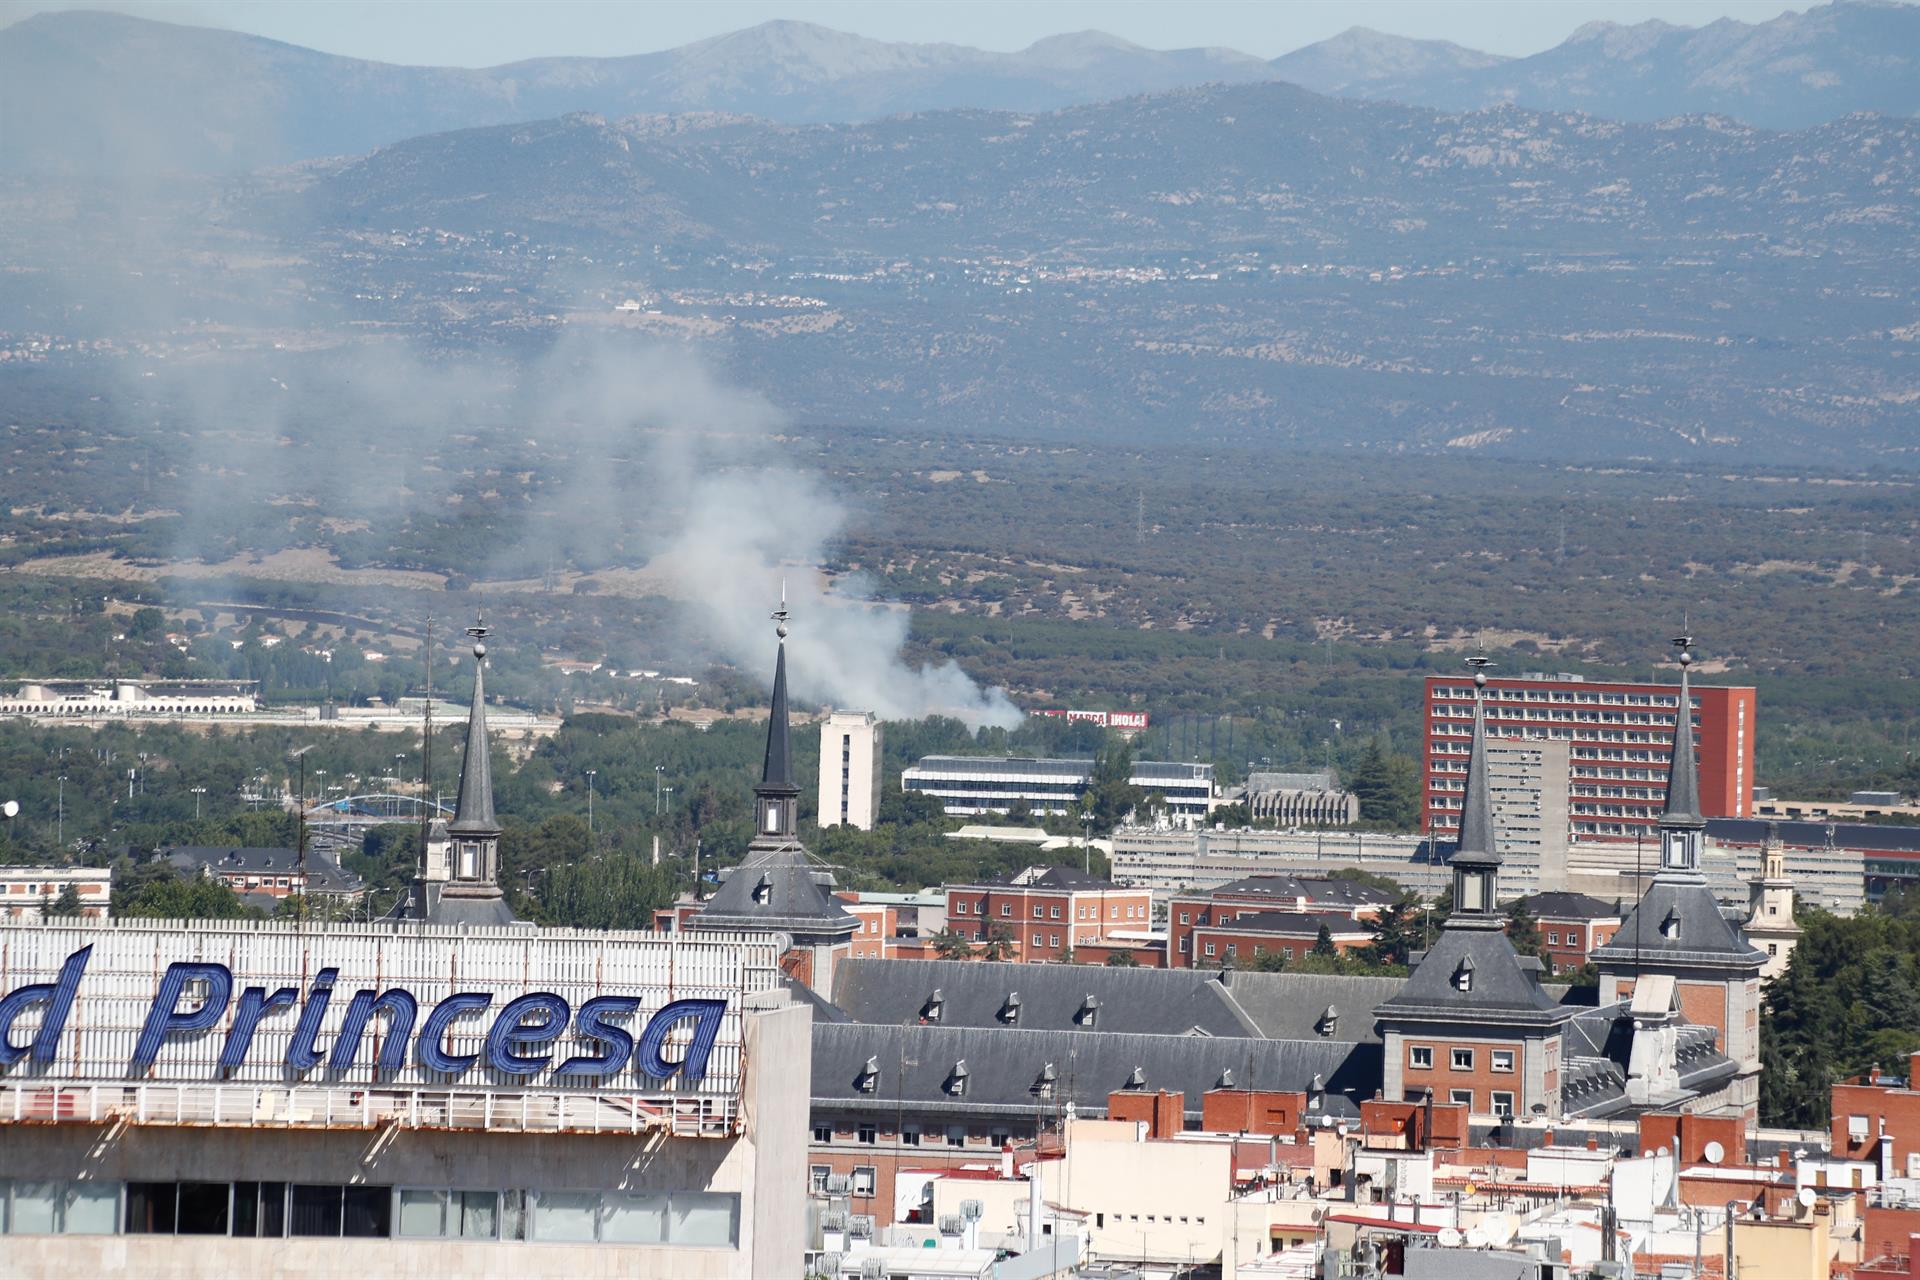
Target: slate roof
pixel 442 907
pixel 1872 836
pixel 1503 992
pixel 473 812
pixel 1683 773
pixel 1171 1002
pixel 1048 877
pixel 777 888
pixel 1706 937
pixel 1558 905
pixel 914 1067
pixel 1290 924
pixel 324 875
pixel 1320 889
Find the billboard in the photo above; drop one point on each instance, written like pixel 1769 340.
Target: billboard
pixel 1129 720
pixel 395 1006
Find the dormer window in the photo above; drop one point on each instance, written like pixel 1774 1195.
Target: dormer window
pixel 1043 1083
pixel 1463 974
pixel 1226 1079
pixel 1670 923
pixel 1089 1012
pixel 930 1011
pixel 868 1081
pixel 763 889
pixel 957 1079
pixel 1010 1008
pixel 1329 1021
pixel 1136 1079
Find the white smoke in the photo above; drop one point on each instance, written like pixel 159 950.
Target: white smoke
pixel 748 539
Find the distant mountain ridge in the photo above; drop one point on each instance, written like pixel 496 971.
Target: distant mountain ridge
pixel 85 91
pixel 1795 70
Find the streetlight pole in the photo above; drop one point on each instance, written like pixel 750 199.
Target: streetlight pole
pixel 60 818
pixel 1086 840
pixel 591 773
pixel 669 799
pixel 197 793
pixel 659 771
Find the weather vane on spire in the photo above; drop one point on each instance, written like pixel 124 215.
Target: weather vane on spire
pixel 1479 662
pixel 1685 645
pixel 781 615
pixel 479 632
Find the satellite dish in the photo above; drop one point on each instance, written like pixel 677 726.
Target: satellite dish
pixel 1451 1237
pixel 1714 1153
pixel 11 808
pixel 1477 1237
pixel 1807 1196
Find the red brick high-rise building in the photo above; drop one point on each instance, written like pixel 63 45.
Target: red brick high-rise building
pixel 1619 736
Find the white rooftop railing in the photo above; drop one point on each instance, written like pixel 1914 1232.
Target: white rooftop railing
pixel 347 1107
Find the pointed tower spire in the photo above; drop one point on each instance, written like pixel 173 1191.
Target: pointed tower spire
pixel 777 795
pixel 1476 859
pixel 1681 823
pixel 473 812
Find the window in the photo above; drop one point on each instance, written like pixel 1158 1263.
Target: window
pixel 1420 1057
pixel 429 1213
pixel 817 1176
pixel 1503 1105
pixel 1039 912
pixel 1553 937
pixel 633 1219
pixel 1209 948
pixel 823 1133
pixel 868 1135
pixel 1856 1128
pixel 1036 939
pixel 1463 1097
pixel 1463 1059
pixel 259 1209
pixel 1183 918
pixel 863 1180
pixel 1006 908
pixel 1053 939
pixel 565 1215
pixel 1773 948
pixel 911 1137
pixel 62 1208
pixel 1055 912
pixel 959 908
pixel 1502 1059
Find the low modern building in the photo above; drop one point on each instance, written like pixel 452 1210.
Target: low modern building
pixel 994 784
pixel 850 750
pixel 1301 800
pixel 1171 860
pixel 398 1099
pixel 160 699
pixel 1251 936
pixel 26 892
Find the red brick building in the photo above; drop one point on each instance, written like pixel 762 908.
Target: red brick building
pixel 1571 926
pixel 1045 912
pixel 1874 1110
pixel 1246 936
pixel 1620 739
pixel 1258 895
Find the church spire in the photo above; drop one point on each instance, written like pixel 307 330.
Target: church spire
pixel 1681 823
pixel 777 795
pixel 1476 860
pixel 473 812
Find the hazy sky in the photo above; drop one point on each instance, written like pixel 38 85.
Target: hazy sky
pixel 485 32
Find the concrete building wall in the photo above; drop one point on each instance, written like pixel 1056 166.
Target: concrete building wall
pixel 1161 1201
pixel 850 747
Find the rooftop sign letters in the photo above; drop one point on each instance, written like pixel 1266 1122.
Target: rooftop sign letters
pixel 562 1012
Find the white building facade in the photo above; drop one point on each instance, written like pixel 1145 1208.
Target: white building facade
pixel 849 769
pixel 187 1099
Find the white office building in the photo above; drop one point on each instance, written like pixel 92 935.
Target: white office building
pixel 849 769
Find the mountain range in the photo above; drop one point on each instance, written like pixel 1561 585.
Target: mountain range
pixel 95 92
